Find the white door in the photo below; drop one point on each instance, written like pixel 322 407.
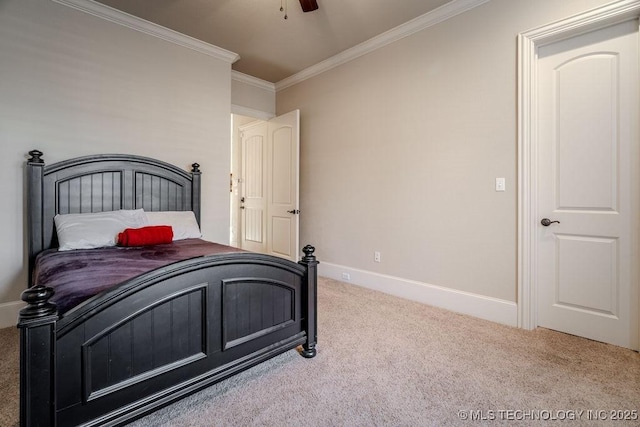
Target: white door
pixel 283 179
pixel 588 162
pixel 253 201
pixel 270 186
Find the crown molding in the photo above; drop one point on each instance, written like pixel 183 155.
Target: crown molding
pixel 429 19
pixel 121 18
pixel 253 81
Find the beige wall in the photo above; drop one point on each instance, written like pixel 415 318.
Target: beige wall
pixel 401 148
pixel 72 84
pixel 252 96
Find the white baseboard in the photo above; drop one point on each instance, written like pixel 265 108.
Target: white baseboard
pixel 9 313
pixel 488 308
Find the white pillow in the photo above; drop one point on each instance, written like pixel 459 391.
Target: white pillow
pixel 95 230
pixel 184 223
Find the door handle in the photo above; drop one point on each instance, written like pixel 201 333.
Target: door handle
pixel 547 222
pixel 294 211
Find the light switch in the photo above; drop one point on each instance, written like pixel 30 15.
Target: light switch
pixel 500 184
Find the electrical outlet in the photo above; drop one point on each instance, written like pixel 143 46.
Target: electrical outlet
pixel 346 276
pixel 376 256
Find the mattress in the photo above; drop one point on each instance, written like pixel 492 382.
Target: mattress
pixel 77 275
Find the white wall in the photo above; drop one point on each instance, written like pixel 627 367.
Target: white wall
pixel 401 148
pixel 72 84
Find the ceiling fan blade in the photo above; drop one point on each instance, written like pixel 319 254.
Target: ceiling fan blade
pixel 308 5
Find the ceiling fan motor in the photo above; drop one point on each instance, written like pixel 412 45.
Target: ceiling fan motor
pixel 309 5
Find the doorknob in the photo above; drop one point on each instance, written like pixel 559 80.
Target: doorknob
pixel 547 222
pixel 294 211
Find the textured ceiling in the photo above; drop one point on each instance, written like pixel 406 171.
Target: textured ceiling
pixel 270 47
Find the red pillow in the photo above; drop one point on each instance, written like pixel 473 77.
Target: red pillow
pixel 145 236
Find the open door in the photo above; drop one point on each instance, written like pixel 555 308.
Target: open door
pixel 283 184
pixel 270 186
pixel 253 196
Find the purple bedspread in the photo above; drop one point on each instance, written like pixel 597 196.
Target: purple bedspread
pixel 78 275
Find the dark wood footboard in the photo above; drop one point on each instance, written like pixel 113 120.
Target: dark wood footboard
pixel 161 336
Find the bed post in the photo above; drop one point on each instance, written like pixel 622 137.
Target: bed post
pixel 37 324
pixel 195 191
pixel 310 300
pixel 35 171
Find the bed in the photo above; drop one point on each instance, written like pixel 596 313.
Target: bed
pixel 162 334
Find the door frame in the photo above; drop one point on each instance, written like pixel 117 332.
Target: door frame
pixel 238 173
pixel 528 44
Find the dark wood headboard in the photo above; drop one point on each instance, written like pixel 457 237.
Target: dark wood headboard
pixel 98 183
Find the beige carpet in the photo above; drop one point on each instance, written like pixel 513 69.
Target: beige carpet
pixel 384 361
